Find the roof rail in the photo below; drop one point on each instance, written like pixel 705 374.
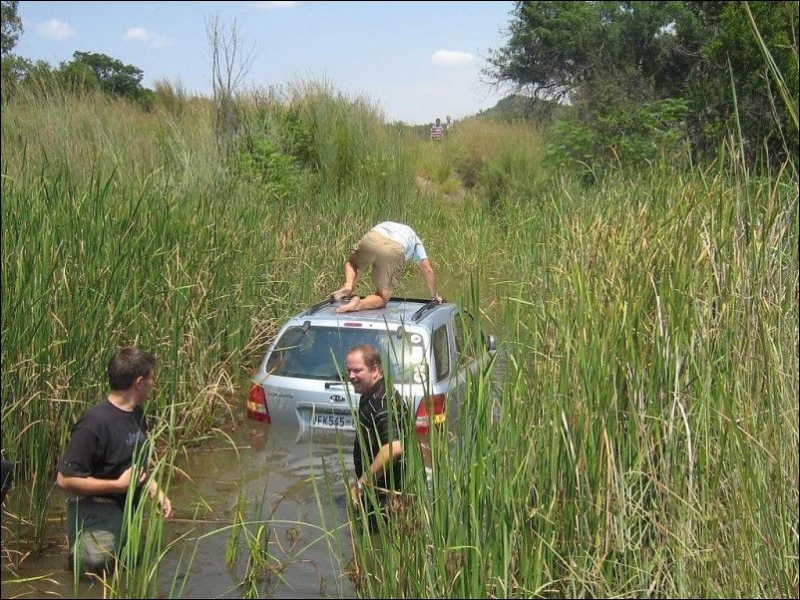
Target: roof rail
pixel 427 304
pixel 404 299
pixel 318 305
pixel 430 305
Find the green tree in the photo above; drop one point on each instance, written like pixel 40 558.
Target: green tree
pixel 732 91
pixel 115 77
pixel 607 59
pixel 11 26
pixel 12 67
pixel 557 50
pixel 76 76
pixel 111 75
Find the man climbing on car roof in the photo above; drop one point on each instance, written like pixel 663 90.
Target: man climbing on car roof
pixel 386 248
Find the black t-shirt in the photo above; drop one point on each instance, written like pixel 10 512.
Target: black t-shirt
pixel 380 424
pixel 104 443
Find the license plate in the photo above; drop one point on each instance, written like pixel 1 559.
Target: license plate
pixel 328 421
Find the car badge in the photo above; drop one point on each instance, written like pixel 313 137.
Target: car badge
pixel 337 398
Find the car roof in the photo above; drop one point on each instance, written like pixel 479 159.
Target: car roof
pixel 397 310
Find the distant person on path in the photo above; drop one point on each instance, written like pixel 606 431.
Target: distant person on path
pixel 437 131
pixel 448 126
pixel 383 423
pixel 386 248
pixel 107 448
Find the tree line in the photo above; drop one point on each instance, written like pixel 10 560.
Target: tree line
pixel 629 81
pixel 701 72
pixel 86 71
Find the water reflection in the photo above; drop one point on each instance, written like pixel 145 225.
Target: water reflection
pixel 262 481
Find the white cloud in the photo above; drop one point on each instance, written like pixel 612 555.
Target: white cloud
pixel 271 5
pixel 138 34
pixel 54 29
pixel 452 57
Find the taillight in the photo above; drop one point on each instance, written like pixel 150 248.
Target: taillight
pixel 432 411
pixel 257 404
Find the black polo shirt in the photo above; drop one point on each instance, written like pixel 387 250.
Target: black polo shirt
pixel 379 423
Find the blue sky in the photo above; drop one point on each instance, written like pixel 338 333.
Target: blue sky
pixel 413 60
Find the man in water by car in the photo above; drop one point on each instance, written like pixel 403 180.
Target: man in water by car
pixel 105 460
pixel 378 453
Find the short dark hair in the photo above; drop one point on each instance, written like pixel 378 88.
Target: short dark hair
pixel 126 365
pixel 371 355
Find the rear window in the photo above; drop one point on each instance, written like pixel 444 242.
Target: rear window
pixel 320 353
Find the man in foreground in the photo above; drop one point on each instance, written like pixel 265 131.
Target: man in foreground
pixel 108 449
pixel 380 433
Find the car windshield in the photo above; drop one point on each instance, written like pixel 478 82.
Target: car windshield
pixel 320 352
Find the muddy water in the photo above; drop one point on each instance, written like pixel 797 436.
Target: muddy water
pixel 291 486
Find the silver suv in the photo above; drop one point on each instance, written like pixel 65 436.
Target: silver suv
pixel 429 350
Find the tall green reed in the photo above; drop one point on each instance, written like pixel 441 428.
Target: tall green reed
pixel 648 426
pixel 99 252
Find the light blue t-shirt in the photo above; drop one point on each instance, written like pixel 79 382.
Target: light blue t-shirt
pixel 406 237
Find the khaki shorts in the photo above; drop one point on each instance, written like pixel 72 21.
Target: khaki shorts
pixel 385 256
